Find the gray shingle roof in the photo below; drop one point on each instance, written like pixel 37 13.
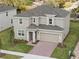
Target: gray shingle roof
pixel 5 8
pixel 43 26
pixel 44 9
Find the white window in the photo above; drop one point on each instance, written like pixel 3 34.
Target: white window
pixel 51 21
pixel 20 32
pixel 33 19
pixel 6 13
pixel 20 21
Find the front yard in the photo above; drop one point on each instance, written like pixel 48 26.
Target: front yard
pixel 70 42
pixel 7 42
pixel 6 56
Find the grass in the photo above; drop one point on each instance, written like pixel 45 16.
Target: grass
pixel 6 56
pixel 29 2
pixel 7 43
pixel 70 42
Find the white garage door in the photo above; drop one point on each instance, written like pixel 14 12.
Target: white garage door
pixel 49 37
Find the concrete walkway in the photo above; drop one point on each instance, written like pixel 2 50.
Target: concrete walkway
pixel 44 48
pixel 76 51
pixel 24 55
pixel 12 53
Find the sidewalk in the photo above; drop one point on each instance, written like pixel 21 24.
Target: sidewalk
pixel 25 55
pixel 12 53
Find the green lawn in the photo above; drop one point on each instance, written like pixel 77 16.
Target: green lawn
pixel 10 57
pixel 6 43
pixel 70 42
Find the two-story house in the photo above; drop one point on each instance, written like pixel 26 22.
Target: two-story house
pixel 43 23
pixel 6 14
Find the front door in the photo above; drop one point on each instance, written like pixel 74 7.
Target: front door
pixel 30 36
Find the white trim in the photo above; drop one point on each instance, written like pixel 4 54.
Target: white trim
pixel 47 20
pixel 27 35
pixel 52 21
pixel 33 19
pixel 60 38
pixel 51 30
pixel 21 31
pixel 38 35
pixel 34 40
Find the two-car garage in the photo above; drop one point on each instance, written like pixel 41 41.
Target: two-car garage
pixel 50 37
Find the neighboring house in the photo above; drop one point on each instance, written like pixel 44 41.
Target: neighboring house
pixel 43 23
pixel 6 14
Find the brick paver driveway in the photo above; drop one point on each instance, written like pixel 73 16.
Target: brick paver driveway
pixel 44 48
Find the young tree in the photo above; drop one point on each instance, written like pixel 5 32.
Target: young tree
pixel 52 2
pixel 19 4
pixel 61 3
pixel 56 3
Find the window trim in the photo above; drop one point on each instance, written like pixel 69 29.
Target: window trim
pixel 6 13
pixel 21 32
pixel 33 19
pixel 20 21
pixel 51 22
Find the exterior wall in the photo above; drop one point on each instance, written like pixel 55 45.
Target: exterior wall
pixel 25 22
pixel 59 22
pixel 56 21
pixel 36 20
pixel 17 26
pixel 5 21
pixel 66 25
pixel 43 20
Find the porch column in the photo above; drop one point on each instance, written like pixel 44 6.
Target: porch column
pixel 34 40
pixel 38 35
pixel 27 35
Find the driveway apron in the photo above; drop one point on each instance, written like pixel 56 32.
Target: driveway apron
pixel 44 48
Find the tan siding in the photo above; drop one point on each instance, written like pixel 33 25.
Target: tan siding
pixel 25 22
pixel 66 25
pixel 43 20
pixel 59 22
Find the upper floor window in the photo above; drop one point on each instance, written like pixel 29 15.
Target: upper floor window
pixel 33 19
pixel 6 13
pixel 50 21
pixel 20 21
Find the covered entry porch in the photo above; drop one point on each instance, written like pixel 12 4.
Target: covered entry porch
pixel 32 36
